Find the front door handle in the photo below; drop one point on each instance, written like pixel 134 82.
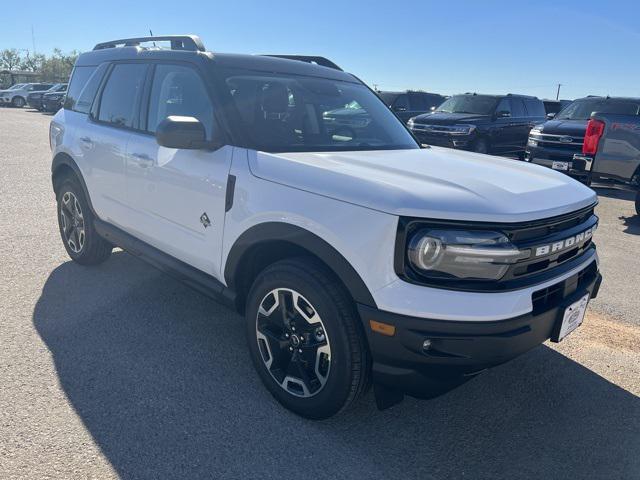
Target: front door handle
pixel 86 142
pixel 142 159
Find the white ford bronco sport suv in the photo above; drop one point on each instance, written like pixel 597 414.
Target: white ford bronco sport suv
pixel 357 256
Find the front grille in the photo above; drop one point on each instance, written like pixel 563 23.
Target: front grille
pixel 553 231
pixel 552 296
pixel 558 142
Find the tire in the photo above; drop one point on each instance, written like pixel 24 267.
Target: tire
pixel 481 146
pixel 18 102
pixel 75 221
pixel 315 371
pixel 638 203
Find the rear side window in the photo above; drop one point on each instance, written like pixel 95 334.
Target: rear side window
pixel 418 102
pixel 402 103
pixel 535 108
pixel 179 90
pixel 120 95
pixel 517 108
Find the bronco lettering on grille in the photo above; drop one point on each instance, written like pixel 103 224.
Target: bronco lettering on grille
pixel 565 244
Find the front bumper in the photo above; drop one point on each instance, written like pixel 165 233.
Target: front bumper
pixel 579 169
pixel 51 105
pixel 35 103
pixel 459 350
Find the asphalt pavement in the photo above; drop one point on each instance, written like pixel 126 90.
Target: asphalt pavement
pixel 118 371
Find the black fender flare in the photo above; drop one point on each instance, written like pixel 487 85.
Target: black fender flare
pixel 64 161
pixel 285 232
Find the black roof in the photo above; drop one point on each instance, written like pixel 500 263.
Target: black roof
pixel 131 50
pixel 622 99
pixel 518 95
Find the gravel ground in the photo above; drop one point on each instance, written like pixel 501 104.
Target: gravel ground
pixel 118 371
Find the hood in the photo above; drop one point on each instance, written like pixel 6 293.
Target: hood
pixel 575 128
pixel 436 182
pixel 443 118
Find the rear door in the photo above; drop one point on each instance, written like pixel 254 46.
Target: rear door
pixel 177 196
pixel 104 139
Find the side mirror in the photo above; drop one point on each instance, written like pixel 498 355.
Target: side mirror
pixel 182 132
pixel 433 109
pixel 400 109
pixel 503 113
pixel 550 116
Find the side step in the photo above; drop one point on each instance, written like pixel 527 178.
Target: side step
pixel 196 279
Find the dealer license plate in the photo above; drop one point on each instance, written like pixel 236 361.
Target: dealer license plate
pixel 573 317
pixel 561 165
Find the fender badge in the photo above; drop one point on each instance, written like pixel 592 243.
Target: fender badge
pixel 204 220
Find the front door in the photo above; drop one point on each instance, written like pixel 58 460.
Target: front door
pixel 176 196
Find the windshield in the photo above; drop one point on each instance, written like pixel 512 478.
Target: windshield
pixel 287 113
pixel 582 109
pixel 17 86
pixel 476 104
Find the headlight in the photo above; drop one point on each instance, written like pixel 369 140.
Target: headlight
pixel 462 254
pixel 410 123
pixel 536 130
pixel 461 129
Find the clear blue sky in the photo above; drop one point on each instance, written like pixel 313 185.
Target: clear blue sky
pixel 591 47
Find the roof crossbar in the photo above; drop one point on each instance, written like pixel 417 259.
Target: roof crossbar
pixel 322 61
pixel 178 42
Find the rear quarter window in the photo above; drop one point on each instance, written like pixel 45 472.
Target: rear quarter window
pixel 535 108
pixel 79 80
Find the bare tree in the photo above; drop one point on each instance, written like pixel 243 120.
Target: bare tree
pixel 10 58
pixel 32 62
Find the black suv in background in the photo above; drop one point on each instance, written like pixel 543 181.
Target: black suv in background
pixel 497 124
pixel 552 107
pixel 409 104
pixel 555 142
pixel 34 99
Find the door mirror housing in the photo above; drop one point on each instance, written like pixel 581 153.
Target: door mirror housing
pixel 503 113
pixel 550 116
pixel 183 132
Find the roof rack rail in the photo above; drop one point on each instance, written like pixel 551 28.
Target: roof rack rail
pixel 178 42
pixel 322 61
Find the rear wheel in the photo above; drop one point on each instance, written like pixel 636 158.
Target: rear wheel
pixel 80 239
pixel 18 102
pixel 305 339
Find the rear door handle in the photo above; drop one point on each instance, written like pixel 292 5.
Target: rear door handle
pixel 142 159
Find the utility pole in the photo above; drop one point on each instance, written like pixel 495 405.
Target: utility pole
pixel 558 92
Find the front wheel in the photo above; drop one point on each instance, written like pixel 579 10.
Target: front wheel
pixel 80 238
pixel 305 339
pixel 18 102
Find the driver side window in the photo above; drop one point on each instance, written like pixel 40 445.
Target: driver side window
pixel 504 106
pixel 179 90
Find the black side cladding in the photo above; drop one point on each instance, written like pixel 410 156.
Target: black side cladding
pixel 231 190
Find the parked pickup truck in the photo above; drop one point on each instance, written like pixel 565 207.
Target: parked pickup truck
pixel 555 142
pixel 611 151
